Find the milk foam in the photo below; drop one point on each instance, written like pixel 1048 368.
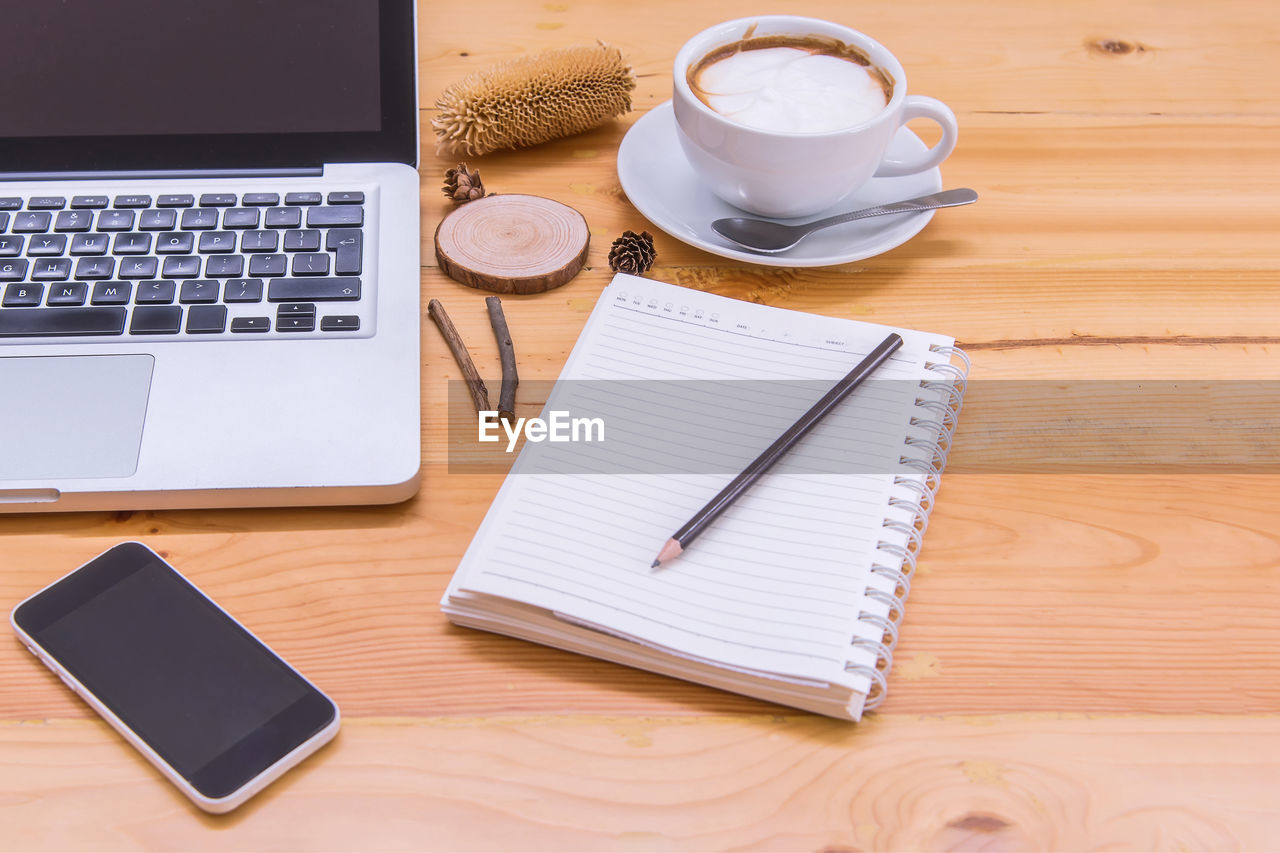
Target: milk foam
pixel 790 89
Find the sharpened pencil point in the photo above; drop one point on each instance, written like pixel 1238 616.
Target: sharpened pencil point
pixel 669 552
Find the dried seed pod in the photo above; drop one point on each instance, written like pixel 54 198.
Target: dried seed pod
pixel 533 99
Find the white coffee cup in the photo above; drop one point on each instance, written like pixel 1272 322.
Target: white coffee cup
pixel 788 174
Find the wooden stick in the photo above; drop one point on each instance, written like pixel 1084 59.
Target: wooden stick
pixel 479 393
pixel 507 397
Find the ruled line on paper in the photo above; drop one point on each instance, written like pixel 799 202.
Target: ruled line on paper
pixel 739 334
pixel 659 621
pixel 787 351
pixel 762 624
pixel 559 489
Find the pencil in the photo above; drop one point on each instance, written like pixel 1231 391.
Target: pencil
pixel 709 513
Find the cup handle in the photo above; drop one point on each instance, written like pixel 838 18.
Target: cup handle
pixel 920 106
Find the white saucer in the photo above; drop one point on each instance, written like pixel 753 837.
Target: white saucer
pixel 663 186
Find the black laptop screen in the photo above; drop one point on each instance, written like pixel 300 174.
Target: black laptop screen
pixel 126 67
pixel 193 84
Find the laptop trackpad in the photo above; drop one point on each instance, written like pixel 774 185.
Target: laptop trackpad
pixel 72 416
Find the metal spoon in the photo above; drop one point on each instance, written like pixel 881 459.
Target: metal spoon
pixel 762 235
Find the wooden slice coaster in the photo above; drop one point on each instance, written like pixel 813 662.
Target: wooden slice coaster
pixel 512 243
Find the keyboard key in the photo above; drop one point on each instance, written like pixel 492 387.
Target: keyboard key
pixel 268 264
pixel 73 220
pixel 217 241
pixel 46 202
pixel 296 324
pixel 181 200
pixel 224 266
pixel 313 290
pixel 259 241
pixel 115 220
pixel 89 202
pixel 243 290
pixel 324 217
pixel 182 266
pixel 346 198
pixel 90 244
pixel 199 219
pixel 4 220
pixel 206 319
pixel 175 244
pixel 45 245
pixel 111 293
pixel 240 217
pixel 21 296
pixel 61 321
pixel 31 222
pixel 15 270
pixel 139 267
pixel 303 198
pixel 57 269
pixel 11 203
pixel 133 243
pixel 250 324
pixel 156 320
pixel 302 241
pixel 95 268
pixel 218 200
pixel 199 291
pixel 310 263
pixel 158 220
pixel 340 323
pixel 284 217
pixel 133 201
pixel 348 244
pixel 67 294
pixel 11 246
pixel 260 199
pixel 155 291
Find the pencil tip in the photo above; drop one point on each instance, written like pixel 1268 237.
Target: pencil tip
pixel 656 563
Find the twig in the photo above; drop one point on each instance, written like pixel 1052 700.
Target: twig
pixel 479 393
pixel 507 398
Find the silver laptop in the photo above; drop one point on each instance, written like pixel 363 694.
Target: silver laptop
pixel 208 253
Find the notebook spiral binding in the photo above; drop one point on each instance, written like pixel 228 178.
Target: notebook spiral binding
pixel 939 403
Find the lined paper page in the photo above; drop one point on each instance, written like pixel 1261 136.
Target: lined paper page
pixel 692 382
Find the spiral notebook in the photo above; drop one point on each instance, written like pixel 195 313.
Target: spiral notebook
pixel 796 594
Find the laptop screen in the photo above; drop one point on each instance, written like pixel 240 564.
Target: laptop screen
pixel 149 85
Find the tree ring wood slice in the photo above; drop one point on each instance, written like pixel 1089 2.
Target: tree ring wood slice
pixel 512 243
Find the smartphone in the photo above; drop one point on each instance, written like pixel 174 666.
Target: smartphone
pixel 215 710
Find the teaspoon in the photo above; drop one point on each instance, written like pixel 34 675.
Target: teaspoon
pixel 762 235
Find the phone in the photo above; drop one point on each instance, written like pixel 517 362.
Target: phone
pixel 206 702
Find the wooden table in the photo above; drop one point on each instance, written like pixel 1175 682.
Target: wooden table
pixel 1089 659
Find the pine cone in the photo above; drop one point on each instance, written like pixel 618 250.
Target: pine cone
pixel 632 253
pixel 462 185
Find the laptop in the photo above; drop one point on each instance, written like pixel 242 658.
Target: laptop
pixel 209 274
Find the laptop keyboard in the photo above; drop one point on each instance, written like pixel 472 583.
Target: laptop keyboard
pixel 214 265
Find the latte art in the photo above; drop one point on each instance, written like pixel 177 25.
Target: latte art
pixel 791 89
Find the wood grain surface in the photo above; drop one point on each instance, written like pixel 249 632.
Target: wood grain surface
pixel 512 243
pixel 1089 657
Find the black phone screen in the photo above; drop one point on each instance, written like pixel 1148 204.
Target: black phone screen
pixel 206 695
